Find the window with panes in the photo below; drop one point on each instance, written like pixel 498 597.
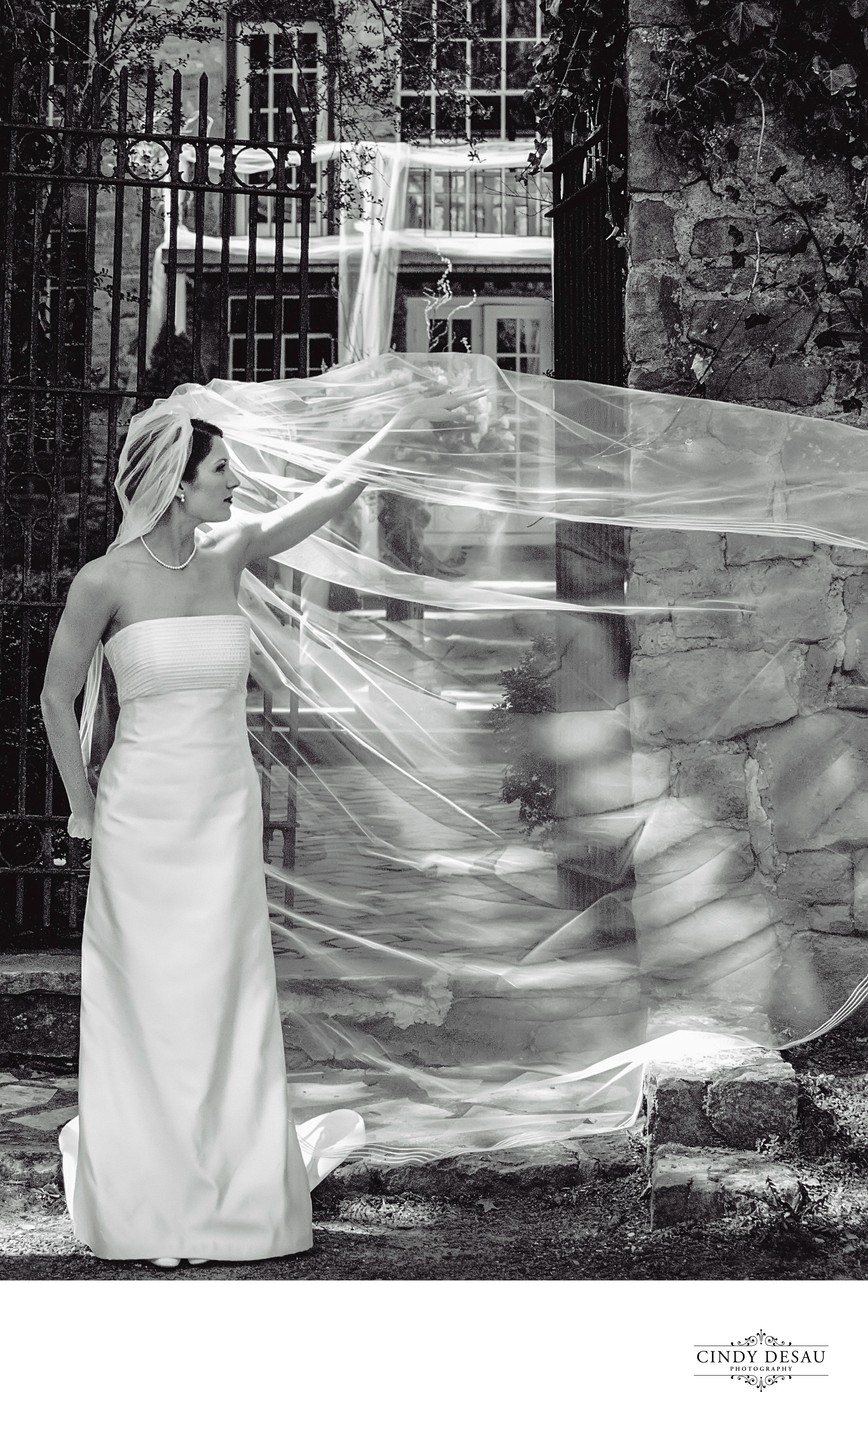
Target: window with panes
pixel 471 84
pixel 321 339
pixel 280 63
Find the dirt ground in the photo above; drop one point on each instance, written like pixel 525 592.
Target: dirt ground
pixel 598 1231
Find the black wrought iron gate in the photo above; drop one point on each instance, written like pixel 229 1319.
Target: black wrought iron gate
pixel 588 219
pixel 128 232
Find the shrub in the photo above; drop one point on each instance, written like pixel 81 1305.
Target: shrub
pixel 530 776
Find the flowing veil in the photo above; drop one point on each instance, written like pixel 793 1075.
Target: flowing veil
pixel 429 975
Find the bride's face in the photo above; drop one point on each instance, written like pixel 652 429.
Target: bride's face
pixel 209 497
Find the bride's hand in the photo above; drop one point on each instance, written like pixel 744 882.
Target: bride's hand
pixel 392 436
pixel 436 406
pixel 424 411
pixel 80 825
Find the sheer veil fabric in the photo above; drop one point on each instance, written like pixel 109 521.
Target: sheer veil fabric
pixel 429 978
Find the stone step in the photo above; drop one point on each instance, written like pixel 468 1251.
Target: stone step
pixel 697 1185
pixel 39 1003
pixel 32 1110
pixel 474 1013
pixel 719 1098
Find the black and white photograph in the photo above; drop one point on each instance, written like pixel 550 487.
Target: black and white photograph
pixel 434 679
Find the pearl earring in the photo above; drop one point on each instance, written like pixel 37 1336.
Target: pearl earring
pixel 182 499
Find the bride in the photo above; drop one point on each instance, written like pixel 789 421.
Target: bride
pixel 184 1146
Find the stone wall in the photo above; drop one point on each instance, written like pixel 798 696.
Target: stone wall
pixel 751 728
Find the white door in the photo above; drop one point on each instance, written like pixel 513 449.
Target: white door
pixel 515 333
pixel 444 329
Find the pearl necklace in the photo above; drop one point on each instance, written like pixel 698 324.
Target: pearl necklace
pixel 162 562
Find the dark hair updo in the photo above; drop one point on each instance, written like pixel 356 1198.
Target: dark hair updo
pixel 204 435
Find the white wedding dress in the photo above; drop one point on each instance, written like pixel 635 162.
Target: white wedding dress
pixel 184 1144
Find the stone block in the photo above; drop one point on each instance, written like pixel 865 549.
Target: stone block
pixel 753 1102
pixel 712 693
pixel 756 548
pixel 818 974
pixel 651 232
pixel 703 1186
pixel 652 312
pixel 853 696
pixel 800 385
pixel 679 848
pixel 794 601
pixel 818 667
pixel 831 918
pixel 855 591
pixel 40 973
pixel 815 773
pixel 28 1163
pixel 674 378
pixel 725 1098
pixel 847 558
pixel 37 1024
pixel 713 779
pixel 778 233
pixel 659 161
pixel 729 626
pixel 658 551
pixel 504 1174
pixel 718 235
pixel 855 660
pixel 860 891
pixel 653 639
pixel 817 877
pixel 753 325
pixel 731 939
pixel 661 13
pixel 675 1105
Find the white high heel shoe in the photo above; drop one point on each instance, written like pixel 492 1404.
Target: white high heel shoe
pixel 164 1261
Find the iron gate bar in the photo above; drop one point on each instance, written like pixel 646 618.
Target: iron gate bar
pixel 590 559
pixel 225 214
pixel 174 160
pixel 200 162
pixel 145 244
pixel 59 418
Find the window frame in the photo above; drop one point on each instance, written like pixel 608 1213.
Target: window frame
pixel 245 128
pixel 238 335
pixel 483 311
pixel 504 92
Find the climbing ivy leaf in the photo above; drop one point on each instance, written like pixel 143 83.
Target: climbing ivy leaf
pixel 843 77
pixel 742 20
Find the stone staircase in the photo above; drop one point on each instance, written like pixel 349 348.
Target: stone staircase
pixel 706 1117
pixel 706 1112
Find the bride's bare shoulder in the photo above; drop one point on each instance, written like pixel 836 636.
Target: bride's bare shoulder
pixel 99 583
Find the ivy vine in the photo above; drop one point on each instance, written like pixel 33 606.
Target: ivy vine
pixel 576 66
pixel 806 60
pixel 728 73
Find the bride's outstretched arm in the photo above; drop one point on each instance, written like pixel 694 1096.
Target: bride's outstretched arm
pixel 262 535
pixel 85 617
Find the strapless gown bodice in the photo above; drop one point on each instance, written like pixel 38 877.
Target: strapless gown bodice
pixel 158 656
